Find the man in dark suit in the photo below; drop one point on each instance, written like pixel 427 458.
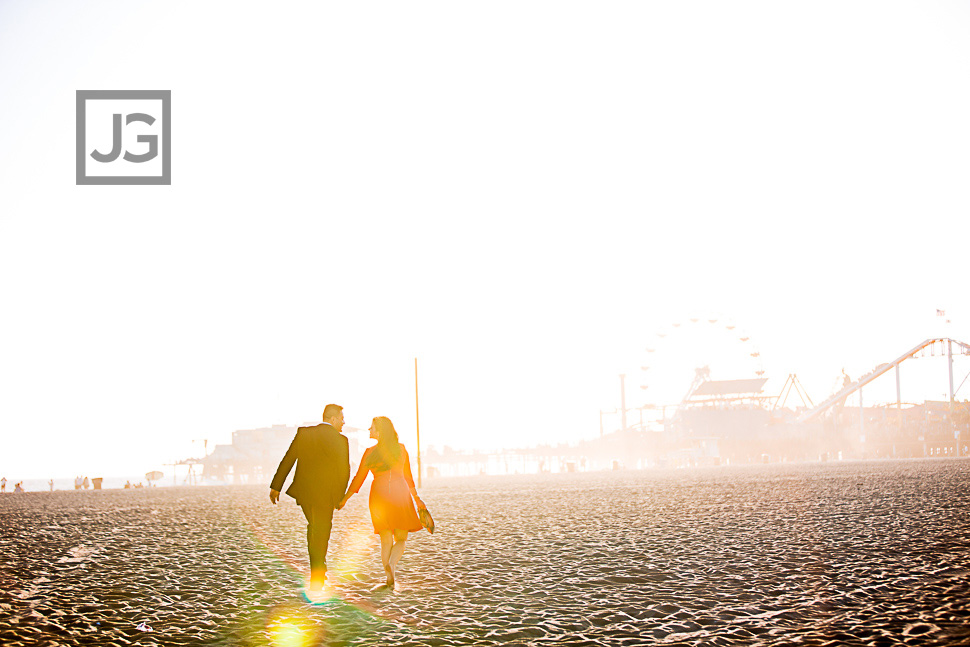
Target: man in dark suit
pixel 322 458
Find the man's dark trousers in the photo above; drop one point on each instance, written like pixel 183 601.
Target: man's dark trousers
pixel 319 523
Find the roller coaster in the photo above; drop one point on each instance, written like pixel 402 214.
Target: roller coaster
pixel 946 346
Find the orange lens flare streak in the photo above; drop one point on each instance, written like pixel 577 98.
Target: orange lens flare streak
pixel 353 553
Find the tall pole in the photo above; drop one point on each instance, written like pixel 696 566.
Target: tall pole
pixel 949 361
pixel 899 400
pixel 623 401
pixel 417 418
pixel 899 409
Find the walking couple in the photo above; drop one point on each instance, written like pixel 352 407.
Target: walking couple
pixel 319 486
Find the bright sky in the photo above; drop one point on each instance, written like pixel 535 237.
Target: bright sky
pixel 519 194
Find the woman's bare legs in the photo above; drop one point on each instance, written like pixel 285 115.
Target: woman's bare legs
pixel 400 536
pixel 386 549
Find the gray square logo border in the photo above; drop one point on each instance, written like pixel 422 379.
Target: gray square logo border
pixel 81 152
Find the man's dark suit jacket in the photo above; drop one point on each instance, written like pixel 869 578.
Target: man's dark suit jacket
pixel 322 458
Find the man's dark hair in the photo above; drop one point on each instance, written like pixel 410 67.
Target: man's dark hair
pixel 331 410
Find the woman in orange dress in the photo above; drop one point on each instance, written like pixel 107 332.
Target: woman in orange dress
pixel 391 508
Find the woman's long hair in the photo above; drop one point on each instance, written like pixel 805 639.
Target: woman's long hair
pixel 388 448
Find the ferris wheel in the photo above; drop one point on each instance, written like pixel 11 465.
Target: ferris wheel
pixel 678 356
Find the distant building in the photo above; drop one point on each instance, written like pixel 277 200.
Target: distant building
pixel 255 454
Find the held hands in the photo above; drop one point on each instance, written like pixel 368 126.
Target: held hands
pixel 274 496
pixel 343 502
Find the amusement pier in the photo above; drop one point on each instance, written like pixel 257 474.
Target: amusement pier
pixel 717 422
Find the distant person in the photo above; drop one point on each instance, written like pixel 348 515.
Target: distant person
pixel 391 507
pixel 51 484
pixel 3 484
pixel 127 485
pixel 18 487
pixel 77 482
pixel 322 457
pixel 86 484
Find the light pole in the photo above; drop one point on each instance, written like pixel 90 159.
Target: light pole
pixel 417 418
pixel 623 401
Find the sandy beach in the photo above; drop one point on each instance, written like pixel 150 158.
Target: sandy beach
pixel 874 553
